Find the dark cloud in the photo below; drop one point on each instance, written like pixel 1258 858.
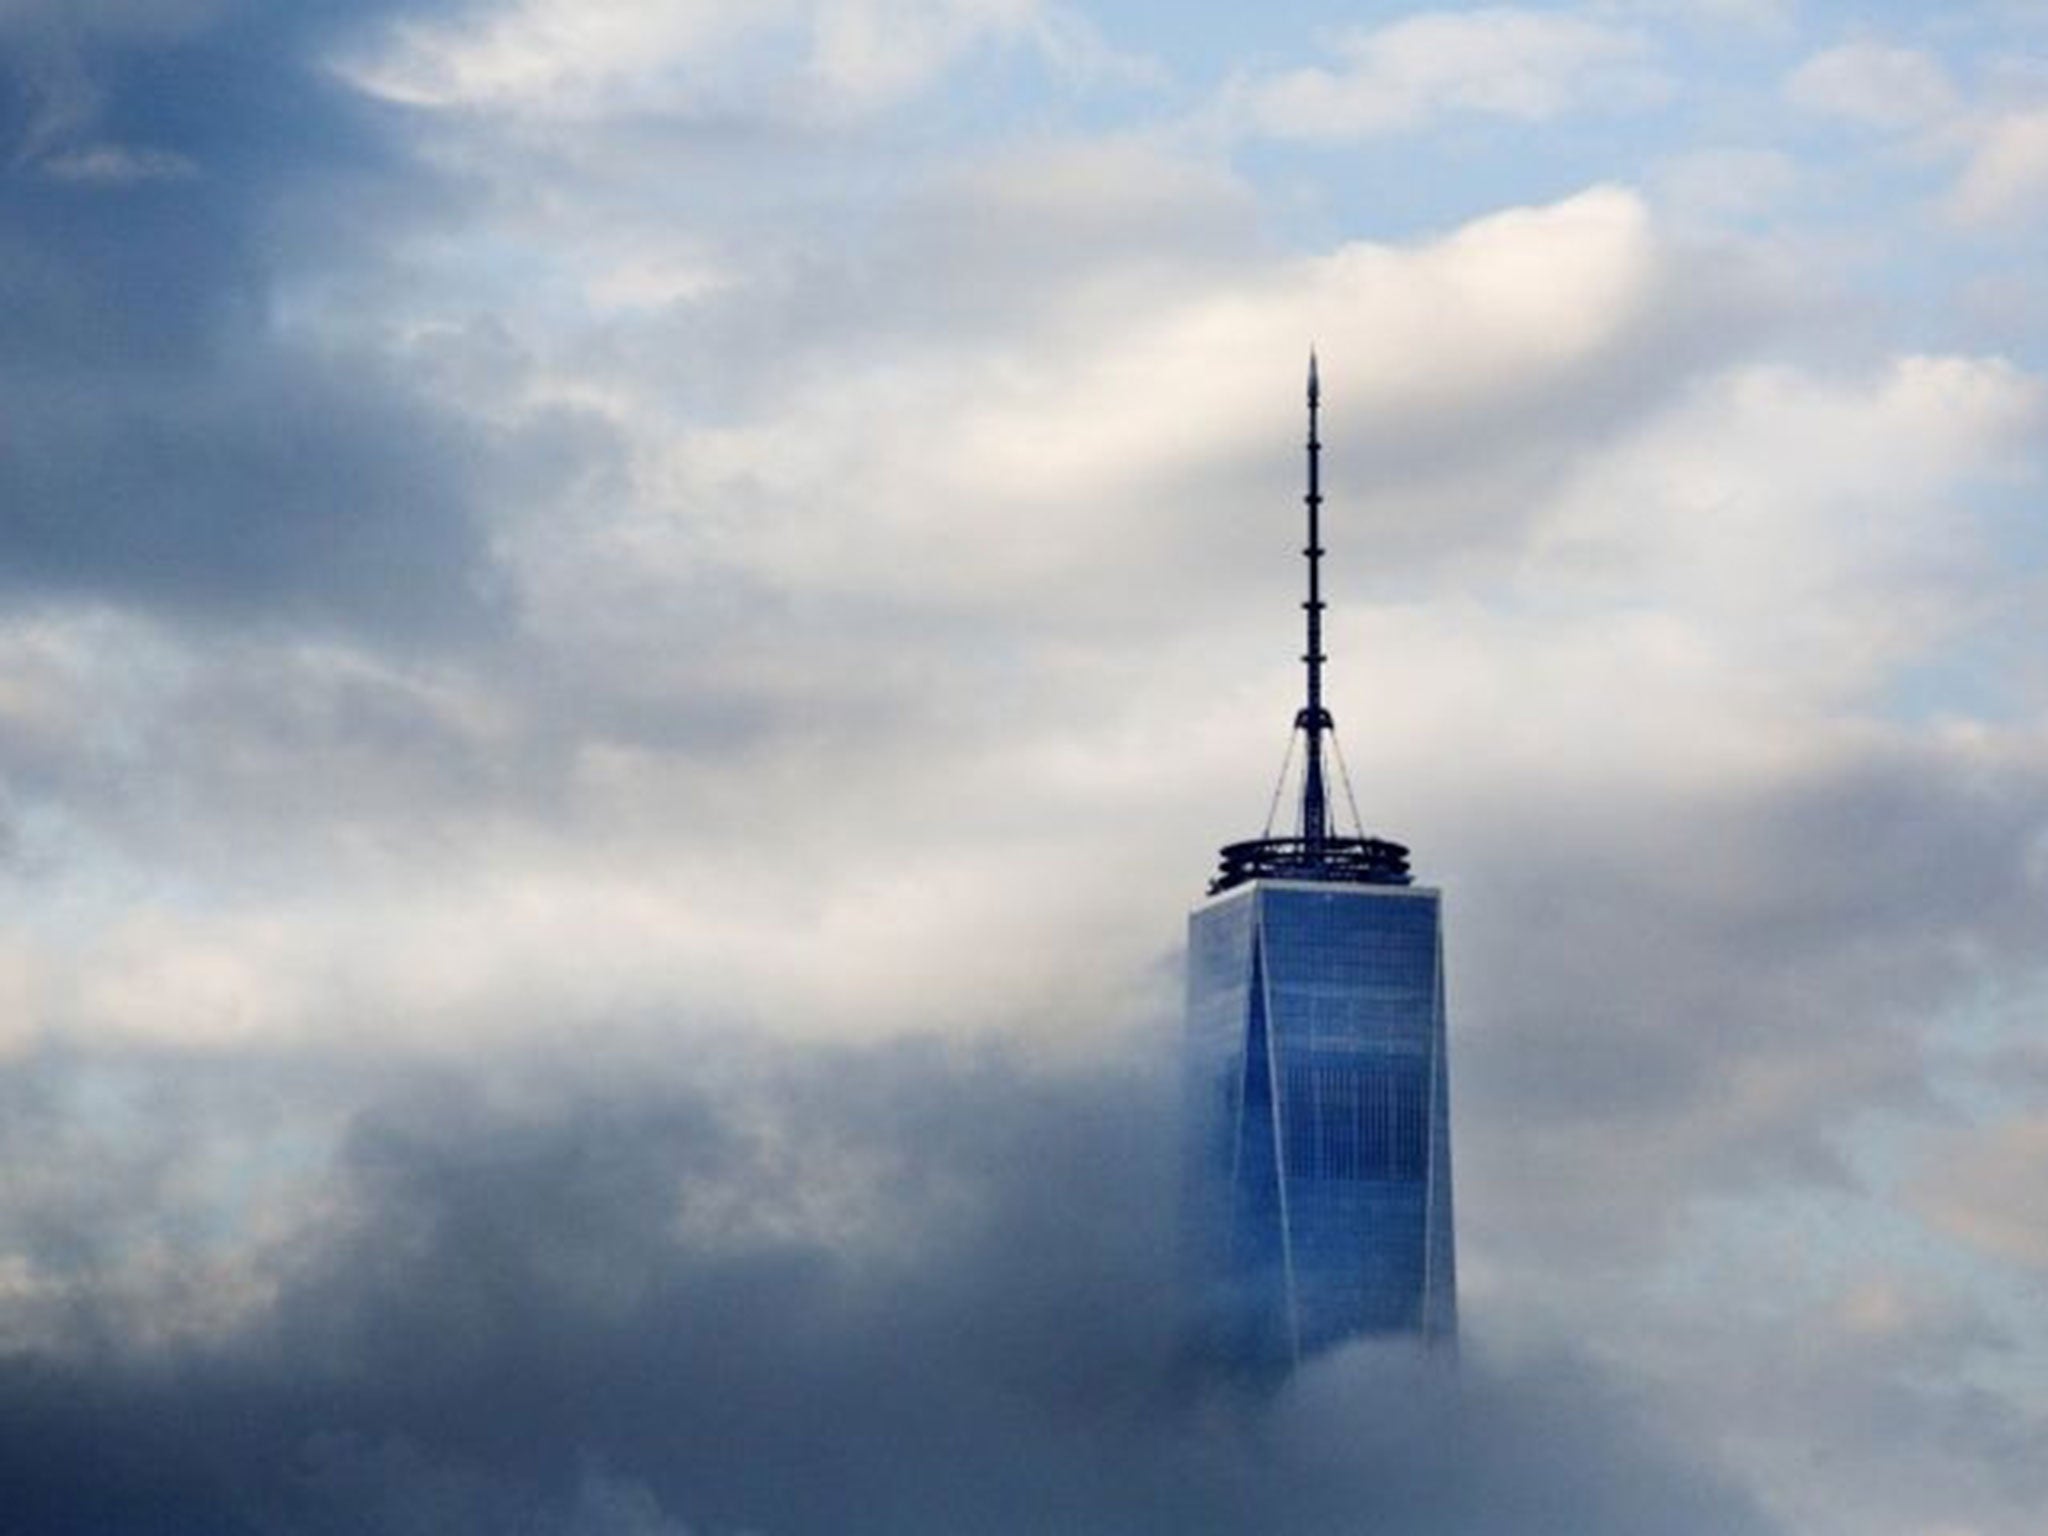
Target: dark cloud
pixel 271 485
pixel 890 1290
pixel 166 187
pixel 1738 976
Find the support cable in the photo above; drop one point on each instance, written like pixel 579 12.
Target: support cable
pixel 1344 774
pixel 1280 785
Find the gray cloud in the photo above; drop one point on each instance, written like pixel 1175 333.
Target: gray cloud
pixel 286 487
pixel 169 441
pixel 887 1291
pixel 895 532
pixel 1738 979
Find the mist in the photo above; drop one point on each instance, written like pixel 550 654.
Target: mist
pixel 895 1289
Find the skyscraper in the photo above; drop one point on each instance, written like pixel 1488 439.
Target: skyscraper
pixel 1319 1152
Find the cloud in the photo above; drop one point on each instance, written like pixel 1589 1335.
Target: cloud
pixel 1847 1362
pixel 883 614
pixel 869 53
pixel 1772 17
pixel 1713 186
pixel 540 54
pixel 529 530
pixel 2006 175
pixel 1849 557
pixel 797 61
pixel 860 1291
pixel 1874 83
pixel 1986 1191
pixel 2003 148
pixel 1043 438
pixel 1526 66
pixel 171 443
pixel 276 485
pixel 867 608
pixel 1741 970
pixel 115 163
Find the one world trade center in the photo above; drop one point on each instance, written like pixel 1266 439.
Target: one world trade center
pixel 1318 1166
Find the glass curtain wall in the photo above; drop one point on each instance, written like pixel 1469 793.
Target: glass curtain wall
pixel 1319 1157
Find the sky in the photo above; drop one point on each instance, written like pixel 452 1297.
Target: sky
pixel 628 626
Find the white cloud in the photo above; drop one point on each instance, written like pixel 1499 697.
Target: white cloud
pixel 789 59
pixel 1058 453
pixel 1712 186
pixel 805 558
pixel 653 282
pixel 866 51
pixel 1764 15
pixel 541 55
pixel 871 53
pixel 1528 66
pixel 1027 474
pixel 2006 175
pixel 1874 83
pixel 1824 525
pixel 2004 150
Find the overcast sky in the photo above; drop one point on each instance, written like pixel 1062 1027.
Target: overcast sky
pixel 627 627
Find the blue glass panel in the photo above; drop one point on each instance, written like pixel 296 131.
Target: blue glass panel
pixel 1316 1012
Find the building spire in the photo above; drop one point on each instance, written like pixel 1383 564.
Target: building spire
pixel 1313 720
pixel 1317 851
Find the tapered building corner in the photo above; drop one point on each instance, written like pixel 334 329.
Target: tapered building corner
pixel 1318 1147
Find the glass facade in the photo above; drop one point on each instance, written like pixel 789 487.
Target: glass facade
pixel 1319 1162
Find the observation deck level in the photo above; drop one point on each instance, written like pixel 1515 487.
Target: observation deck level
pixel 1335 860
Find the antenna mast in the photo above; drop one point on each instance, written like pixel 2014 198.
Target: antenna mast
pixel 1313 719
pixel 1315 852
